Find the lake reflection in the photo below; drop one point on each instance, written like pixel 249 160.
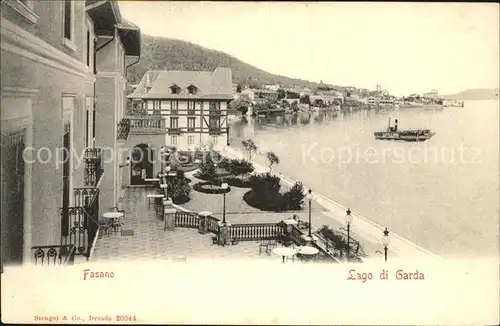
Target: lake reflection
pixel 445 198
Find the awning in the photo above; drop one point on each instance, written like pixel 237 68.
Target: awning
pixel 105 14
pixel 130 35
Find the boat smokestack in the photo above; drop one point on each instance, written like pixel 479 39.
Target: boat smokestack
pixel 395 124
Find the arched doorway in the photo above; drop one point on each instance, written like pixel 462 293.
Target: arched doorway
pixel 141 165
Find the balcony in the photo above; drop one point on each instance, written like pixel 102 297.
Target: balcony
pixel 214 131
pixel 80 223
pixel 56 255
pixel 147 125
pixel 93 167
pixel 174 131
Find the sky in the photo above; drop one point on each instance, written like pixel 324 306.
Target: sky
pixel 404 47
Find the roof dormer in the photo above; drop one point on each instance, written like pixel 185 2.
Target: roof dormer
pixel 175 89
pixel 192 89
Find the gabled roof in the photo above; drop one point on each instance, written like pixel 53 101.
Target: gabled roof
pixel 210 84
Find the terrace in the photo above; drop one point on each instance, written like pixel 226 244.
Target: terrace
pixel 155 231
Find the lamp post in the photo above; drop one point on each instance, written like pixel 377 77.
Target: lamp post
pixel 348 219
pixel 224 186
pixel 309 198
pixel 385 241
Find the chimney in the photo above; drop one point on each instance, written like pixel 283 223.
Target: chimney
pixel 395 124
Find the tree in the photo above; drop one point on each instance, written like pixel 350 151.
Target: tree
pixel 305 99
pixel 281 93
pixel 272 159
pixel 250 147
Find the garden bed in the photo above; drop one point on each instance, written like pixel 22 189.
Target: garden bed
pixel 210 188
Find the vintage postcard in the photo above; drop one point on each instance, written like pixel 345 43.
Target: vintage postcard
pixel 249 162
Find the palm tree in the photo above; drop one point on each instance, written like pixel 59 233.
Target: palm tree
pixel 250 147
pixel 272 159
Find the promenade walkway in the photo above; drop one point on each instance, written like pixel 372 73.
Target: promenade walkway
pixel 328 212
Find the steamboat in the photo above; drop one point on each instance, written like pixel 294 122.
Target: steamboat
pixel 392 133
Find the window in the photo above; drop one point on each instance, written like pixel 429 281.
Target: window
pixel 191 108
pixel 175 89
pixel 68 24
pixel 89 128
pixel 88 48
pixel 156 106
pixel 68 12
pixel 214 123
pixel 173 140
pixel 174 106
pixel 192 89
pixel 214 140
pixel 174 123
pixel 190 140
pixel 191 124
pixel 214 106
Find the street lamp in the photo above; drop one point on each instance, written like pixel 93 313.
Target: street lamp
pixel 348 219
pixel 385 241
pixel 309 198
pixel 224 187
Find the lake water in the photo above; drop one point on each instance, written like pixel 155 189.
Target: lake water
pixel 442 194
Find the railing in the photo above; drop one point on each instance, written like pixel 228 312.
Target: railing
pixel 296 235
pixel 214 131
pixel 53 255
pixel 123 129
pixel 81 221
pixel 174 131
pixel 186 219
pixel 257 231
pixel 146 124
pixel 93 167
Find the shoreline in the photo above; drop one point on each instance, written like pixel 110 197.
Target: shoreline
pixel 366 229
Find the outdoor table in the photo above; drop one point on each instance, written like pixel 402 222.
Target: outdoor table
pixel 115 217
pixel 307 251
pixel 284 252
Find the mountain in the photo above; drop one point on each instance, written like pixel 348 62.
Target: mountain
pixel 166 53
pixel 475 94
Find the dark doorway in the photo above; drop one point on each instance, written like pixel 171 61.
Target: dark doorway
pixel 141 166
pixel 12 198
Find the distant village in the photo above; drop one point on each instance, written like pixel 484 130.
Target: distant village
pixel 277 98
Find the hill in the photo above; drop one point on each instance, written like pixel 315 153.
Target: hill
pixel 475 94
pixel 172 54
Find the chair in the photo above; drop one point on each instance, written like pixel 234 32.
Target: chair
pixel 117 224
pixel 104 227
